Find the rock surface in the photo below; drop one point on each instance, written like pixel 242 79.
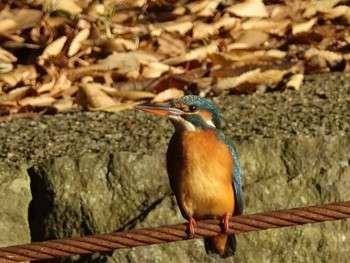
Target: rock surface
pixel 15 196
pixel 97 172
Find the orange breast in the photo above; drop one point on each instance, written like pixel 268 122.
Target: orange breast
pixel 200 173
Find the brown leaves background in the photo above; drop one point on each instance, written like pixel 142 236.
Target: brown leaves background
pixel 63 54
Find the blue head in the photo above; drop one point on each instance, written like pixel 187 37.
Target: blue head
pixel 189 113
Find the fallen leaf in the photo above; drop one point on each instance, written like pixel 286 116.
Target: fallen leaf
pixel 295 81
pixel 303 27
pixel 202 30
pixel 180 28
pixel 322 59
pixel 11 78
pixel 19 20
pixel 277 27
pixel 46 87
pixel 319 6
pixel 119 45
pixel 69 6
pixel 92 97
pixel 77 42
pixel 249 39
pixel 127 94
pixel 5 67
pixel 6 56
pixel 125 63
pixel 38 101
pixel 226 23
pixel 117 108
pixel 61 84
pixel 53 49
pixel 204 8
pixel 170 45
pixel 195 54
pixel 14 95
pixel 63 105
pixel 168 94
pixel 154 69
pixel 231 82
pixel 249 8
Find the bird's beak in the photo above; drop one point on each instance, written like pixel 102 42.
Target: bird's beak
pixel 159 109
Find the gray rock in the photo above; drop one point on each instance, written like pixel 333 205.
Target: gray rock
pixel 15 196
pixel 94 193
pixel 98 172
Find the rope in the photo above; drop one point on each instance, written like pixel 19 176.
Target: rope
pixel 148 236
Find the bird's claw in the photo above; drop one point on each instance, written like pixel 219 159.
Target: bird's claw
pixel 191 227
pixel 225 222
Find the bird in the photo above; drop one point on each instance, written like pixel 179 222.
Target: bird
pixel 203 168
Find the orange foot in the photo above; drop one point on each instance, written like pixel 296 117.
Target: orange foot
pixel 191 226
pixel 225 222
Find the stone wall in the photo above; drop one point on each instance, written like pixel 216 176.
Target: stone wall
pixel 86 178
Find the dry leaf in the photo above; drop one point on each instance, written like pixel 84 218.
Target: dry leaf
pixel 248 56
pixel 125 63
pixel 77 42
pixel 202 30
pixel 172 27
pixel 154 69
pixel 5 67
pixel 14 95
pixel 119 45
pixel 319 6
pixel 203 8
pixel 323 58
pixel 11 78
pixel 267 77
pixel 277 27
pixel 69 6
pixel 8 26
pixel 94 98
pixel 46 86
pixel 226 23
pixel 6 56
pixel 54 48
pixel 228 83
pixel 118 107
pixel 249 39
pixel 61 84
pixel 303 27
pixel 195 54
pixel 39 101
pixel 63 105
pixel 249 8
pixel 127 94
pixel 170 45
pixel 295 81
pixel 168 94
pixel 20 20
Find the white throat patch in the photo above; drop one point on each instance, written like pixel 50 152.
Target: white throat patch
pixel 210 123
pixel 182 125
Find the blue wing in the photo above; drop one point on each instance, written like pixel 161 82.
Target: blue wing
pixel 237 175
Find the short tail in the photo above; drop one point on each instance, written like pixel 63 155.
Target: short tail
pixel 222 246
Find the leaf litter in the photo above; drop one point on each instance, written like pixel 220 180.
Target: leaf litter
pixel 110 55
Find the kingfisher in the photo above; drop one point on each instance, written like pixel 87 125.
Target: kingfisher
pixel 203 168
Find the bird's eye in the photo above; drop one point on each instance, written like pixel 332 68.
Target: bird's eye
pixel 192 108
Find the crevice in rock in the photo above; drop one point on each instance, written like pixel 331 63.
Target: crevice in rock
pixel 40 206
